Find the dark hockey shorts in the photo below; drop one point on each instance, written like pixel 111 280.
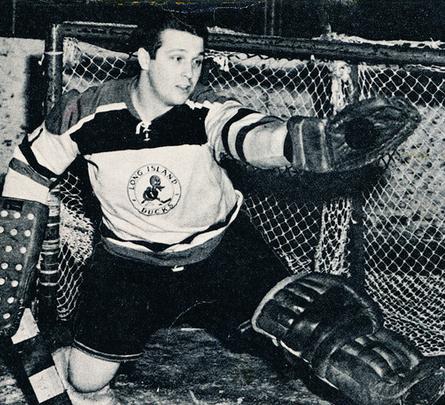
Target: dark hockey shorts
pixel 124 301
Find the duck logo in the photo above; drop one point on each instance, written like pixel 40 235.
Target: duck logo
pixel 153 190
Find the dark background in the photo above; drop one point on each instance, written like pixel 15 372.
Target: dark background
pixel 373 19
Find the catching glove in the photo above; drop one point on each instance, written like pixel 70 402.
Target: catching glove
pixel 357 136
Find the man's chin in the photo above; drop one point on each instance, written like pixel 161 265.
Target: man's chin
pixel 180 100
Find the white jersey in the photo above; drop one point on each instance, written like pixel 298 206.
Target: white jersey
pixel 159 184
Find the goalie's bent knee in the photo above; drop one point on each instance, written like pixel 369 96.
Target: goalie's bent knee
pixel 100 372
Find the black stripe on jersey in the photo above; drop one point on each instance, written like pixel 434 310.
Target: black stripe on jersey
pixel 25 148
pixel 26 170
pixel 116 130
pixel 242 112
pixel 242 133
pixel 159 247
pixel 154 246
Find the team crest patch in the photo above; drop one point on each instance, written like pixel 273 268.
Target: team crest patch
pixel 154 190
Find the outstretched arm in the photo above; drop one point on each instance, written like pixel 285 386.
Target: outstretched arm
pixel 357 136
pixel 247 135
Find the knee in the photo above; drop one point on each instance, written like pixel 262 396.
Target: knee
pixel 89 374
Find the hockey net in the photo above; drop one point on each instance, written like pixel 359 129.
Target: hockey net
pixel 391 234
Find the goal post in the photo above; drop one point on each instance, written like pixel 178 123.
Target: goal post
pixel 387 237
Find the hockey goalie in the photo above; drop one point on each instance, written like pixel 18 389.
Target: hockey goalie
pixel 171 225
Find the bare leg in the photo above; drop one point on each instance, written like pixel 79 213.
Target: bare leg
pixel 87 373
pixel 86 378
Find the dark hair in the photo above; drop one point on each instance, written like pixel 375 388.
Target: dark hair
pixel 147 35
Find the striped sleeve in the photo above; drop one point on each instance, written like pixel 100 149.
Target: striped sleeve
pixel 45 153
pixel 246 135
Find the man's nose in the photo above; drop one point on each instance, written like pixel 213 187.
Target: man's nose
pixel 188 70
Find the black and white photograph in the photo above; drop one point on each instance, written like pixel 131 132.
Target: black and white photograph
pixel 222 202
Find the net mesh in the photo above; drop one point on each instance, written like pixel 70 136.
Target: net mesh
pixel 403 212
pixel 404 215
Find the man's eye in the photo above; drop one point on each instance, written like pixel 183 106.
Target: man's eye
pixel 177 58
pixel 198 62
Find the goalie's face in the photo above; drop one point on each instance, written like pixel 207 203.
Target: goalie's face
pixel 173 74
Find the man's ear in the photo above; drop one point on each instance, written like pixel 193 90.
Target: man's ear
pixel 143 58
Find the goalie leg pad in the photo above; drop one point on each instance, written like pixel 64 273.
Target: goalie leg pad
pixel 22 228
pixel 303 312
pixel 339 333
pixel 384 369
